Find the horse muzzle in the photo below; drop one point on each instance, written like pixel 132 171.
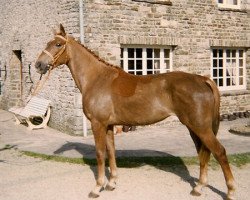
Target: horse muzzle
pixel 42 67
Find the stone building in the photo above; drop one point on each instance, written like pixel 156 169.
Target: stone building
pixel 207 37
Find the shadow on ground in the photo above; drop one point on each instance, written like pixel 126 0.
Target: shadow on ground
pixel 137 158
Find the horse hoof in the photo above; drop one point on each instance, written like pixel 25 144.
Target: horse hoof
pixel 93 195
pixel 195 193
pixel 109 187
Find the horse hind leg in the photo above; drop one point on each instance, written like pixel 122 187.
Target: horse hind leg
pixel 204 156
pixel 112 161
pixel 212 144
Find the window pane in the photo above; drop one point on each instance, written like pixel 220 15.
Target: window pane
pixel 214 53
pixel 121 63
pixel 215 72
pixel 131 65
pixel 139 64
pixel 220 1
pixel 149 64
pixel 240 53
pixel 139 53
pixel 228 82
pixel 215 63
pixel 234 53
pixel 241 81
pixel 220 53
pixel 232 2
pixel 240 63
pixel 220 63
pixel 131 53
pixel 166 53
pixel 156 64
pixel 228 53
pixel 157 72
pixel 157 53
pixel 220 82
pixel 241 71
pixel 139 73
pixel 149 53
pixel 166 64
pixel 121 55
pixel 220 72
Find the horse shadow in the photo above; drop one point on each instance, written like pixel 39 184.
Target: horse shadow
pixel 137 158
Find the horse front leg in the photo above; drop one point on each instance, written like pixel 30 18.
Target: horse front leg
pixel 99 131
pixel 112 161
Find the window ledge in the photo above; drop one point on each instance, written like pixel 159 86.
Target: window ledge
pixel 161 2
pixel 234 92
pixel 232 9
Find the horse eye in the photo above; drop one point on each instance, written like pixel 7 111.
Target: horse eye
pixel 58 45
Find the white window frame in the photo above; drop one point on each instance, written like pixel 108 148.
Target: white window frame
pixel 228 4
pixel 236 77
pixel 162 69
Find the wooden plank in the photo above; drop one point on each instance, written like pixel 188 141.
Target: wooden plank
pixel 36 106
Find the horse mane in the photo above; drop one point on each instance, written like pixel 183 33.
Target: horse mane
pixel 98 58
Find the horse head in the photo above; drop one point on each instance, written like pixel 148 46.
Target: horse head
pixel 54 54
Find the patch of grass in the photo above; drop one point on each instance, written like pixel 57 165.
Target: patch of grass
pixel 130 162
pixel 60 158
pixel 239 160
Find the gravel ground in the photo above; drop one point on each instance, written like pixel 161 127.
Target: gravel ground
pixel 25 178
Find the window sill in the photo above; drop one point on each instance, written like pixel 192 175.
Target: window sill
pixel 232 9
pixel 234 92
pixel 161 2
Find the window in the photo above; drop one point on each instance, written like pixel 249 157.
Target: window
pixel 229 3
pixel 229 68
pixel 146 60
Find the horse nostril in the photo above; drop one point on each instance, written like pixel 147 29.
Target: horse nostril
pixel 38 64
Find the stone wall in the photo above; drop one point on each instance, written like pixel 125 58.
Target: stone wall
pixel 27 26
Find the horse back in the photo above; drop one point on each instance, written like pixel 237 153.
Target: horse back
pixel 148 99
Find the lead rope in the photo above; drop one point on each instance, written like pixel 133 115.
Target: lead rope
pixel 39 85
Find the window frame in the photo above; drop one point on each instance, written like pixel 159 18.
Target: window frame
pixel 161 59
pixel 225 77
pixel 225 4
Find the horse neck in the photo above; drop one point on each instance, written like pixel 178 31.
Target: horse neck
pixel 84 66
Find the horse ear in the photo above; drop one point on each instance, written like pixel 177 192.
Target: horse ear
pixel 62 31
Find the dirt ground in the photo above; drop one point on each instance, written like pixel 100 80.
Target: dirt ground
pixel 24 178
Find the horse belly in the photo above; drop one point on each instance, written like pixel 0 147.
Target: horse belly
pixel 142 111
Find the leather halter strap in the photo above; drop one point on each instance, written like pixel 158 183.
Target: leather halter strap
pixel 63 38
pixel 58 54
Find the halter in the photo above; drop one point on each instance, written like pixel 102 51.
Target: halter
pixel 41 81
pixel 57 55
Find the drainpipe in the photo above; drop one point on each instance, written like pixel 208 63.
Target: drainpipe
pixel 84 119
pixel 81 21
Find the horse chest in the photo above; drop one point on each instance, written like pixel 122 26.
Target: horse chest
pixel 97 105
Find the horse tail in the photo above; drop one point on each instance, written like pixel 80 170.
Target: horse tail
pixel 216 113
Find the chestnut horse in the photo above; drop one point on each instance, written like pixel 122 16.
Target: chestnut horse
pixel 110 96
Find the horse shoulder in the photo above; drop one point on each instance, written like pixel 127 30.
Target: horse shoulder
pixel 124 84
